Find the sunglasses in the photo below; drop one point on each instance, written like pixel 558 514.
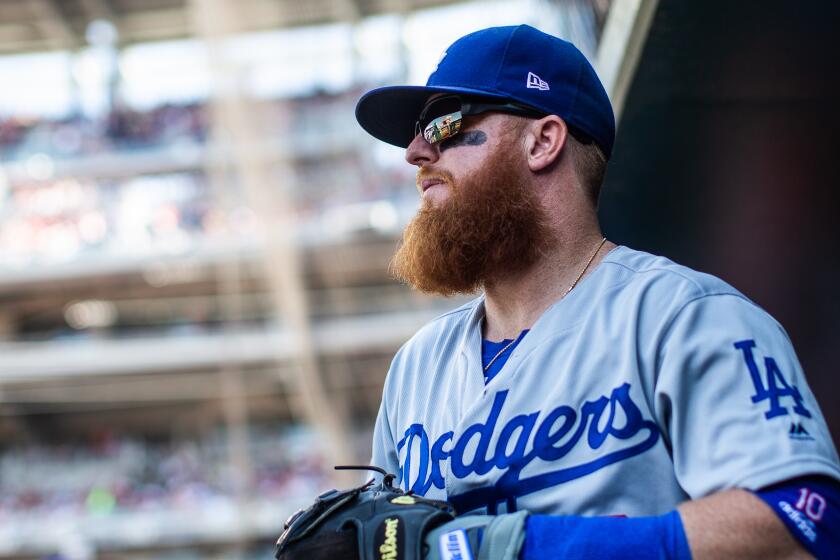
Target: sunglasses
pixel 441 118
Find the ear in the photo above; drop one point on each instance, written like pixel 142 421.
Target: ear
pixel 545 140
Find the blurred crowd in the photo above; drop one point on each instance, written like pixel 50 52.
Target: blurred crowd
pixel 120 129
pixel 121 474
pixel 65 219
pixel 298 120
pixel 105 207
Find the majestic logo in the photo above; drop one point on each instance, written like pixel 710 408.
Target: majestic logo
pixel 561 431
pixel 798 431
pixel 777 386
pixel 535 82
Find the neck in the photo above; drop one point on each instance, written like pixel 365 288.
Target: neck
pixel 513 304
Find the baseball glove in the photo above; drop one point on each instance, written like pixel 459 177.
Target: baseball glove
pixel 370 522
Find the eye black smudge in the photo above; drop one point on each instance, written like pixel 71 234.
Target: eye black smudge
pixel 468 138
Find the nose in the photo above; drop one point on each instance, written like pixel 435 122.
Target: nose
pixel 420 152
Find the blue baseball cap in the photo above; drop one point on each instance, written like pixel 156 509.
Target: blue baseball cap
pixel 515 63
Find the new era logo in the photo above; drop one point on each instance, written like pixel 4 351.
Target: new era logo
pixel 535 82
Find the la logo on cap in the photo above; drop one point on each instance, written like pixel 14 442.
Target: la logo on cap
pixel 535 82
pixel 442 56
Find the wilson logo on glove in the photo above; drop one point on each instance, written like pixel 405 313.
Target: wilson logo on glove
pixel 390 535
pixel 369 522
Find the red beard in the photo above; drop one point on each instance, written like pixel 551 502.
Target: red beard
pixel 491 226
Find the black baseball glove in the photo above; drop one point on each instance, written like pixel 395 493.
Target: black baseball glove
pixel 372 521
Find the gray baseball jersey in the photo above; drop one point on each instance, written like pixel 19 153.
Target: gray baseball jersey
pixel 649 384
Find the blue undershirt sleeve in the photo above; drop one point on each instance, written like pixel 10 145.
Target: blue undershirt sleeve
pixel 808 506
pixel 605 538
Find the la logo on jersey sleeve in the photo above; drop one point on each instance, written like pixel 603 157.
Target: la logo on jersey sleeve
pixel 772 387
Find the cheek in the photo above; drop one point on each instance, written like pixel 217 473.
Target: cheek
pixel 464 162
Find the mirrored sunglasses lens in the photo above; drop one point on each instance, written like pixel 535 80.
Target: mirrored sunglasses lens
pixel 439 108
pixel 442 127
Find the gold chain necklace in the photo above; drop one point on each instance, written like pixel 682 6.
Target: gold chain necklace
pixel 511 343
pixel 592 258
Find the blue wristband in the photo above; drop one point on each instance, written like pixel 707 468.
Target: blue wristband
pixel 605 538
pixel 810 508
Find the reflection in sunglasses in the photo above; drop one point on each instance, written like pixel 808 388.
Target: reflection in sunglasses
pixel 442 127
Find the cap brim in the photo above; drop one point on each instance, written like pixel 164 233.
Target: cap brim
pixel 389 113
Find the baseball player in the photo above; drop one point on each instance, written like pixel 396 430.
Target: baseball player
pixel 610 402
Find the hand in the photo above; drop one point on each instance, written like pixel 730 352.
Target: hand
pixel 479 537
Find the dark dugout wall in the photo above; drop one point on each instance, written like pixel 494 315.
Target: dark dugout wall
pixel 727 160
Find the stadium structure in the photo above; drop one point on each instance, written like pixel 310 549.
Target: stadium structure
pixel 196 311
pixel 196 315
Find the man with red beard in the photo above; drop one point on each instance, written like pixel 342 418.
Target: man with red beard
pixel 590 389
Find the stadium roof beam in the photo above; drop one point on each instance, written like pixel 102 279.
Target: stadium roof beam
pixel 349 10
pixel 237 127
pixel 53 25
pixel 625 32
pixel 42 25
pixel 96 9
